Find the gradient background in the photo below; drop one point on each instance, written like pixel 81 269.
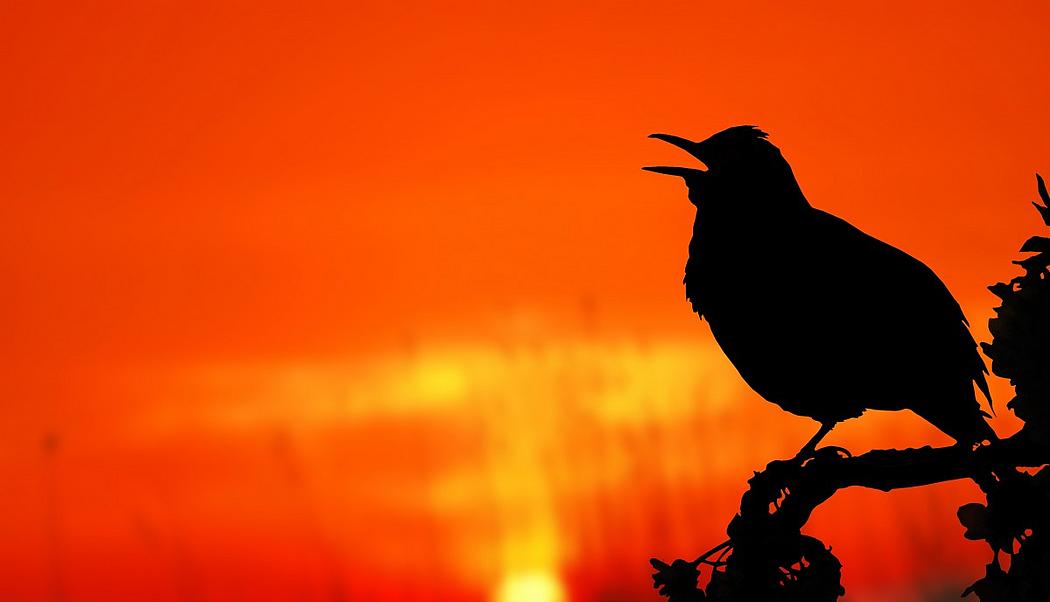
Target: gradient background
pixel 371 301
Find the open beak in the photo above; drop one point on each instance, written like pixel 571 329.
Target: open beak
pixel 685 144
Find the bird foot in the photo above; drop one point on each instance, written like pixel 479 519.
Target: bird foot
pixel 829 451
pixel 841 452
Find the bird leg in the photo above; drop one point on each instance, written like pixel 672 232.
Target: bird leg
pixel 811 446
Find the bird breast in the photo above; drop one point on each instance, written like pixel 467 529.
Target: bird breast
pixel 767 310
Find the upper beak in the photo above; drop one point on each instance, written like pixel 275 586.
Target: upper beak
pixel 683 143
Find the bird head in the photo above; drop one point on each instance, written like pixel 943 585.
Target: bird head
pixel 737 158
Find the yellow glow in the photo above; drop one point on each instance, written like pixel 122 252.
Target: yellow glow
pixel 531 587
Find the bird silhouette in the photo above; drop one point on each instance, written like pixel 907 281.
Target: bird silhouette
pixel 818 317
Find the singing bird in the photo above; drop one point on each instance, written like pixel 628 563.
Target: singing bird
pixel 818 317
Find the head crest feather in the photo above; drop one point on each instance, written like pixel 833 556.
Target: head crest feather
pixel 741 133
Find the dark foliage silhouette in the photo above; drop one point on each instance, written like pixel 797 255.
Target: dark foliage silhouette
pixel 768 558
pixel 817 316
pixel 1016 518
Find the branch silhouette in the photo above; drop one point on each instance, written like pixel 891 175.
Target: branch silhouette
pixel 768 558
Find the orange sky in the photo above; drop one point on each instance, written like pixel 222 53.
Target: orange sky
pixel 302 291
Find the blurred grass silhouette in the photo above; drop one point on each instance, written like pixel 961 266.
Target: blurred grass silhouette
pixel 495 469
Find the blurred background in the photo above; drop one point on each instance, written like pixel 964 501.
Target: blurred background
pixel 371 301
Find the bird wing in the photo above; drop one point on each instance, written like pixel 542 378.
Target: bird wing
pixel 903 299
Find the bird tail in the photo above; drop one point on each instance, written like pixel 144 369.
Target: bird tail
pixel 982 384
pixel 968 427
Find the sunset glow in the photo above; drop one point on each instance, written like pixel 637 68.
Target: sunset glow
pixel 534 587
pixel 372 301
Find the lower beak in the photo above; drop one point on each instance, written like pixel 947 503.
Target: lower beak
pixel 682 172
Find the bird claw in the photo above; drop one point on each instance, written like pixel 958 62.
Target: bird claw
pixel 841 452
pixel 827 452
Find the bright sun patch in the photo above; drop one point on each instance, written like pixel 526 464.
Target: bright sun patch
pixel 531 587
